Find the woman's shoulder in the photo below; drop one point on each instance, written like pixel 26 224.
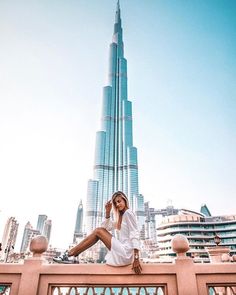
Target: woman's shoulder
pixel 129 212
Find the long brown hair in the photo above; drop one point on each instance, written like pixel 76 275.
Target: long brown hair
pixel 118 215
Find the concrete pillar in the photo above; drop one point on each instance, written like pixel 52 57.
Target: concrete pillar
pixel 30 276
pixel 217 253
pixel 185 274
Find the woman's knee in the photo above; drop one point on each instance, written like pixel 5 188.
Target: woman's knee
pixel 99 231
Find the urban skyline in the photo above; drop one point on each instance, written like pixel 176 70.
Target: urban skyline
pixel 181 79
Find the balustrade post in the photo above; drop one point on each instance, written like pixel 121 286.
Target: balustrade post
pixel 218 254
pixel 29 282
pixel 185 274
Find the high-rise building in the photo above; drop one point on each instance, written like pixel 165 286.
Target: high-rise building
pixel 28 235
pixel 115 165
pixel 41 221
pixel 78 233
pixel 44 226
pixel 9 238
pixel 47 229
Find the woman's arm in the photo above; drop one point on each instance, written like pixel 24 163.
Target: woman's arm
pixel 135 241
pixel 108 207
pixel 107 223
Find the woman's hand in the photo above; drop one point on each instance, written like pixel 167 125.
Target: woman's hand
pixel 137 266
pixel 108 207
pixel 136 263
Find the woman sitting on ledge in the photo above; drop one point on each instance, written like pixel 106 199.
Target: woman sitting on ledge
pixel 123 250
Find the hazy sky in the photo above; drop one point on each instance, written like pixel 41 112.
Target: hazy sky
pixel 53 64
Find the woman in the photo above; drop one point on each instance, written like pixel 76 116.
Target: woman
pixel 124 249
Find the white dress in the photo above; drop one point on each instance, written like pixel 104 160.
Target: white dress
pixel 126 240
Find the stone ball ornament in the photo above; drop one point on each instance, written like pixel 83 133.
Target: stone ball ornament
pixel 38 245
pixel 180 244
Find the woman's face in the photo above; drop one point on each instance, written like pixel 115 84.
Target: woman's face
pixel 119 203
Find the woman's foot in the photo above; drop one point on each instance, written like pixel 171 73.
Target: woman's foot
pixel 65 259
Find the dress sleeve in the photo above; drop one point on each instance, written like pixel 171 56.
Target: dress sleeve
pixel 133 230
pixel 108 224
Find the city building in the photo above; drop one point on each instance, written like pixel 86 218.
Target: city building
pixel 200 231
pixel 41 221
pixel 44 226
pixel 50 253
pixel 29 233
pixel 205 211
pixel 47 229
pixel 153 217
pixel 116 164
pixel 78 232
pixel 9 239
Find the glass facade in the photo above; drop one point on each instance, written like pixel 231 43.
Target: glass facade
pixel 115 165
pixel 41 222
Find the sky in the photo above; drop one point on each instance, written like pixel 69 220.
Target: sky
pixel 181 81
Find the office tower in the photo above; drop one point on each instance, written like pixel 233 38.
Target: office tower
pixel 47 229
pixel 9 238
pixel 41 221
pixel 28 235
pixel 78 233
pixel 115 165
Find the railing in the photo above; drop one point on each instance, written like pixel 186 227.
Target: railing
pixel 98 290
pixel 183 277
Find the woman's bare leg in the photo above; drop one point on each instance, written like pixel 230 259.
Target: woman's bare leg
pixel 99 233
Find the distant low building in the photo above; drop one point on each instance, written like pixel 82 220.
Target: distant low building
pixel 50 253
pixel 152 216
pixel 200 231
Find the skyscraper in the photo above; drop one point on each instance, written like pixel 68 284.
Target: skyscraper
pixel 78 233
pixel 28 235
pixel 115 165
pixel 9 238
pixel 47 229
pixel 44 226
pixel 41 221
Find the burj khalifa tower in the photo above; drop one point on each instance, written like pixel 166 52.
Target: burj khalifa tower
pixel 115 164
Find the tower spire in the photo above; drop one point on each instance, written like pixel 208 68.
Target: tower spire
pixel 118 34
pixel 118 19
